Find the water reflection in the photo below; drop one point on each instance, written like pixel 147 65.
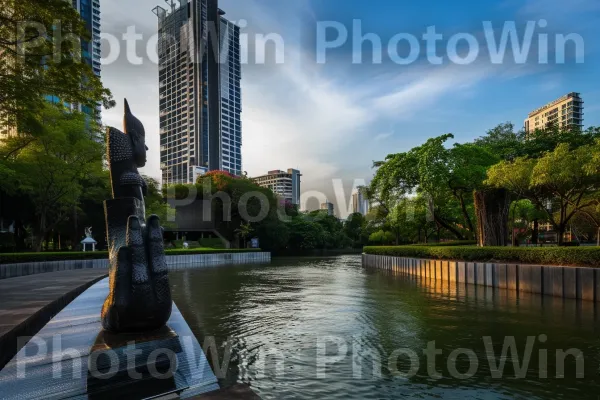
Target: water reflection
pixel 275 316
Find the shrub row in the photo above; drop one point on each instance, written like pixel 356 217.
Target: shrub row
pixel 565 256
pixel 451 243
pixel 14 258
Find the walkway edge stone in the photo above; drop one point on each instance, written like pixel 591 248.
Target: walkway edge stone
pixel 9 342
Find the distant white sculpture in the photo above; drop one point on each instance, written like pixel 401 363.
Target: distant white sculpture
pixel 89 240
pixel 186 245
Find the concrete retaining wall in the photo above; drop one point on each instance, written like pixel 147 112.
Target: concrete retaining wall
pixel 566 282
pixel 173 262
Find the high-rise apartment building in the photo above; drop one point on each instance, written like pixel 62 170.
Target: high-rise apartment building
pixel 359 202
pixel 199 88
pixel 90 13
pixel 327 206
pixel 91 51
pixel 285 184
pixel 564 113
pixel 231 98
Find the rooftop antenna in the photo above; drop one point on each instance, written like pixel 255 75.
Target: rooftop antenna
pixel 171 3
pixel 161 13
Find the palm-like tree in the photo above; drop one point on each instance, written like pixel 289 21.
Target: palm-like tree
pixel 244 231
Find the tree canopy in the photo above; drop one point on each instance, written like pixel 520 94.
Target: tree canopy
pixel 555 170
pixel 40 56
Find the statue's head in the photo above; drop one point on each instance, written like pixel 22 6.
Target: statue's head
pixel 137 135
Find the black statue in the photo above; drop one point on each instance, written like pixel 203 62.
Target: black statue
pixel 140 297
pixel 126 153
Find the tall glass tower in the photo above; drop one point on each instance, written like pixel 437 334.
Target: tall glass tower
pixel 189 89
pixel 231 98
pixel 91 51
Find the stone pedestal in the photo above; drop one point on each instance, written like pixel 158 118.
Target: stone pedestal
pixel 133 365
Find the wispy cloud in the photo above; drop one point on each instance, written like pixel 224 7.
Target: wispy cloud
pixel 382 136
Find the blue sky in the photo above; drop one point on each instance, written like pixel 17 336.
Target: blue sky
pixel 332 120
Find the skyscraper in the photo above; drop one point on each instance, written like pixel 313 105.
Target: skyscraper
pixel 91 51
pixel 231 98
pixel 190 86
pixel 359 203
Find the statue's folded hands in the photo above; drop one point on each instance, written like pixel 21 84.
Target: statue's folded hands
pixel 140 297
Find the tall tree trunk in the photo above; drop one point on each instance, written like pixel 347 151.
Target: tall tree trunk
pixel 20 234
pixel 38 237
pixel 535 233
pixel 561 233
pixel 465 213
pixel 492 207
pixel 75 235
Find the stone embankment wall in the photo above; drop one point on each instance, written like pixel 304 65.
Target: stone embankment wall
pixel 173 262
pixel 566 282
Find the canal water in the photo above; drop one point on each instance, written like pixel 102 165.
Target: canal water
pixel 312 328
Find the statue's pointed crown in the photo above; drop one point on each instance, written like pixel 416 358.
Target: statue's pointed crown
pixel 132 125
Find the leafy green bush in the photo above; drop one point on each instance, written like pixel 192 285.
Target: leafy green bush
pixel 14 258
pixel 574 256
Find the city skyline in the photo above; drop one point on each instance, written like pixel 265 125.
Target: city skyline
pixel 333 120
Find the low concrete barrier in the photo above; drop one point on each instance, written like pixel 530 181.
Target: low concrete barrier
pixel 173 262
pixel 566 282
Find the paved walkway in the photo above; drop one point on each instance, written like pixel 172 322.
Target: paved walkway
pixel 27 303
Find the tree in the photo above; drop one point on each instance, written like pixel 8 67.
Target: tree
pixel 306 234
pixel 507 144
pixel 503 141
pixel 244 231
pixel 560 183
pixel 156 204
pixel 52 169
pixel 382 237
pixel 524 220
pixel 40 55
pixel 354 227
pixel 445 177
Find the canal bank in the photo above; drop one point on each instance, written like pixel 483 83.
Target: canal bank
pixel 580 283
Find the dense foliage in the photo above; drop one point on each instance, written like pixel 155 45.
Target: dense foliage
pixel 573 256
pixel 51 172
pixel 242 210
pixel 503 182
pixel 41 44
pixel 46 182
